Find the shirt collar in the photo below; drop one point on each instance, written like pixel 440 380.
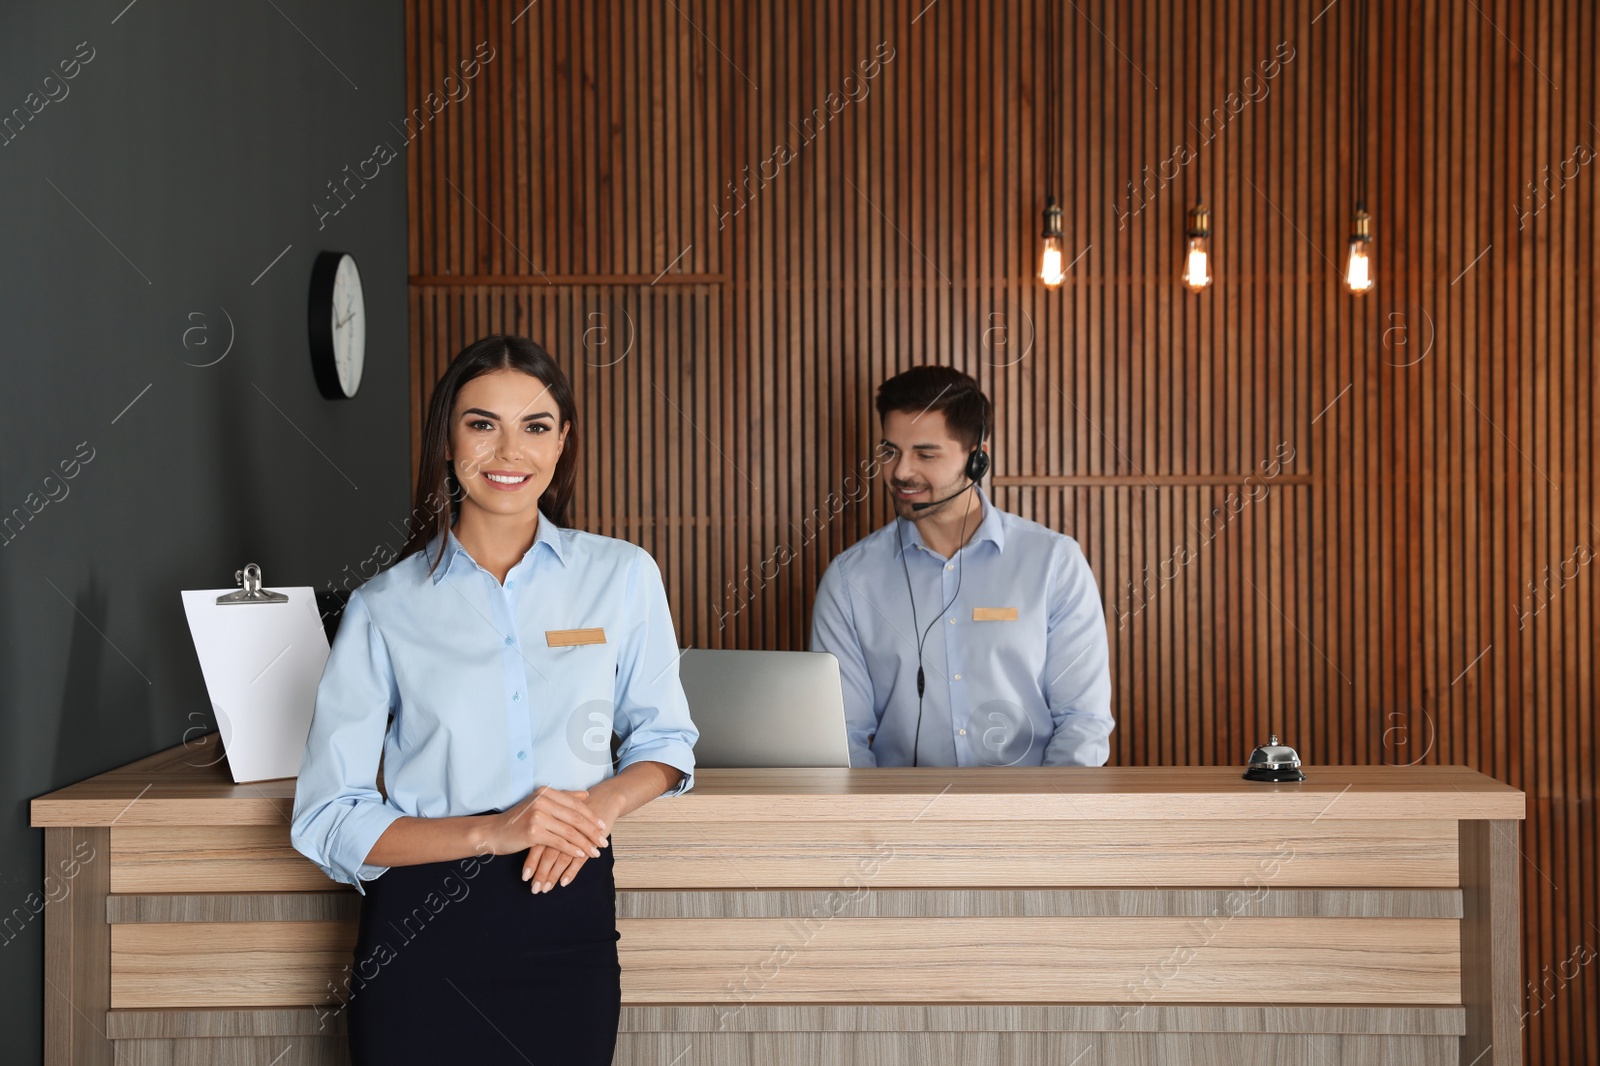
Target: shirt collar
pixel 547 534
pixel 991 528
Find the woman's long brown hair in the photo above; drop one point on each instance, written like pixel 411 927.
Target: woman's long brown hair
pixel 437 486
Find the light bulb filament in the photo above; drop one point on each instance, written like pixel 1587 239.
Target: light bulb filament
pixel 1358 275
pixel 1197 265
pixel 1051 270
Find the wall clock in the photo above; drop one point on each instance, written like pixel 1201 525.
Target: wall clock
pixel 338 320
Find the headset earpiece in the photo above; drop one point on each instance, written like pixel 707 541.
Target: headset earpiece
pixel 978 461
pixel 977 464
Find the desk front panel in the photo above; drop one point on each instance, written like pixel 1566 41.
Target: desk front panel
pixel 690 854
pixel 1146 911
pixel 886 919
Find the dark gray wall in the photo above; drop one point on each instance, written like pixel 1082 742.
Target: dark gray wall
pixel 192 146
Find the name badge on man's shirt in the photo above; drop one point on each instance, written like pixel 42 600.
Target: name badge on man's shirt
pixel 572 638
pixel 994 614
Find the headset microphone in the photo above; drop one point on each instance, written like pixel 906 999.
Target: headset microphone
pixel 924 506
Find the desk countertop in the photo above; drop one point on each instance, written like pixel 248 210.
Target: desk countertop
pixel 190 785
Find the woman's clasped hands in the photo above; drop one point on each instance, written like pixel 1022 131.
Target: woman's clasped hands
pixel 560 829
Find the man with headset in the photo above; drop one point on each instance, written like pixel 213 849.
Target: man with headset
pixel 965 636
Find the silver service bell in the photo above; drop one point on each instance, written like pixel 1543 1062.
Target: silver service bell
pixel 1274 762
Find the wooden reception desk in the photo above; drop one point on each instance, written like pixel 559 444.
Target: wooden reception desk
pixel 926 917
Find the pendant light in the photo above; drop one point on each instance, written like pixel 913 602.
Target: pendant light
pixel 1358 271
pixel 1359 276
pixel 1197 249
pixel 1052 261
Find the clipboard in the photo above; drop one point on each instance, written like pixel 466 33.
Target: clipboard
pixel 262 653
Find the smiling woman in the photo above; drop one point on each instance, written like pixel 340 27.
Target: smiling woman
pixel 502 420
pixel 489 668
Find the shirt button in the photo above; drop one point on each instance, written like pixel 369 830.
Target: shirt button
pixel 516 696
pixel 511 584
pixel 958 677
pixel 949 566
pixel 952 621
pixel 962 732
pixel 522 755
pixel 508 640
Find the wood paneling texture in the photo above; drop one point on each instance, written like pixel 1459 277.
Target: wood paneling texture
pixel 791 854
pixel 904 960
pixel 1413 584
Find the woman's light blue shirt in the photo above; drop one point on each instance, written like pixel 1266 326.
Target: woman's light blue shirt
pixel 486 703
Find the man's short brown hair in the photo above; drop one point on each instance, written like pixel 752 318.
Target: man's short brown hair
pixel 940 388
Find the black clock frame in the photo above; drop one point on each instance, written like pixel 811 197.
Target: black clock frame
pixel 320 320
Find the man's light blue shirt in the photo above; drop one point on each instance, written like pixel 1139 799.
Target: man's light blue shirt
pixel 1017 667
pixel 487 704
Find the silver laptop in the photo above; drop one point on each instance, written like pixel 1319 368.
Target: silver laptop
pixel 765 708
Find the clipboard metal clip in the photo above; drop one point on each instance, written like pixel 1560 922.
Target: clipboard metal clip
pixel 252 592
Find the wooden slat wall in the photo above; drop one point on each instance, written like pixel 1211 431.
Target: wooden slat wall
pixel 1373 604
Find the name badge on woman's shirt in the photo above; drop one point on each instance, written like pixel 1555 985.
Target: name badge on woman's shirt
pixel 572 638
pixel 994 614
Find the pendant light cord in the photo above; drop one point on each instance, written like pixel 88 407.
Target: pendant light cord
pixel 1360 72
pixel 1052 100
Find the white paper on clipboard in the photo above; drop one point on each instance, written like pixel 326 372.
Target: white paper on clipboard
pixel 262 663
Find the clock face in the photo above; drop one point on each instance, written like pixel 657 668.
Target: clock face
pixel 349 326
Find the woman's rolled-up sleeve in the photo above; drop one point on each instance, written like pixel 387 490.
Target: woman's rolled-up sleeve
pixel 339 814
pixel 652 713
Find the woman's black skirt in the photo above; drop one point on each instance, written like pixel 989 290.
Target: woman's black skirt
pixel 459 962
